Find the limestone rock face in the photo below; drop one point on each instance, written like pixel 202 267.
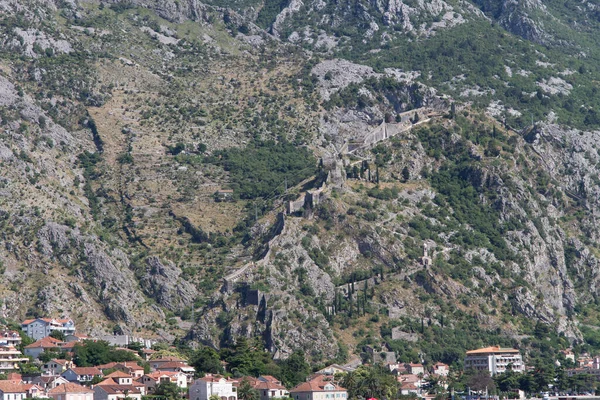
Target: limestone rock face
pixel 164 283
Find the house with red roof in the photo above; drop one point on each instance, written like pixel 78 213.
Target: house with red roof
pixel 415 368
pixel 440 369
pixel 268 387
pixel 82 374
pixel 41 327
pixel 211 385
pixel 131 368
pixel 116 392
pixel 39 346
pixel 320 387
pixel 177 366
pixel 153 379
pixel 13 391
pixel 71 391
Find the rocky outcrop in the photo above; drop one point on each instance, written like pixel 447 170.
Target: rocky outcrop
pixel 163 282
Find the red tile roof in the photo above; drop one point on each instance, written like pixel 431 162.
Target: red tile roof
pixel 109 381
pixel 47 342
pixel 118 374
pixel 11 387
pixel 70 388
pixel 157 374
pixel 117 389
pixel 492 349
pixel 86 370
pixel 317 384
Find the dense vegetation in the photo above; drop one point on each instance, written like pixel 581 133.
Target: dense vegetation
pixel 262 169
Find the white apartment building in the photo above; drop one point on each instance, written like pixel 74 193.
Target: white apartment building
pixel 10 338
pixel 494 359
pixel 210 385
pixel 10 358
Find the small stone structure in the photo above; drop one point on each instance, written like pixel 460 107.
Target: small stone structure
pixel 426 260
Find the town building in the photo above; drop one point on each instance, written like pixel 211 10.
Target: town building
pixel 153 379
pixel 129 367
pixel 48 382
pixel 210 385
pixel 39 346
pixel 41 327
pixel 71 391
pixel 56 367
pixel 116 392
pixel 10 338
pixel 415 368
pixel 10 358
pixel 268 387
pixel 81 374
pixel 494 359
pixel 440 369
pixel 12 391
pixel 318 388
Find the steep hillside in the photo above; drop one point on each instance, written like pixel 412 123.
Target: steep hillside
pixel 210 171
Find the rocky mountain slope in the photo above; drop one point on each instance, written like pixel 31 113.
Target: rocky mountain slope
pixel 121 123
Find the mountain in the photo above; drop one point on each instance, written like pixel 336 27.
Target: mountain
pixel 151 149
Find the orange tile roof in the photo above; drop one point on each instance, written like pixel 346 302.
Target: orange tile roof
pixel 157 374
pixel 117 389
pixel 47 342
pixel 262 385
pixel 86 370
pixel 492 349
pixel 118 374
pixel 13 376
pixel 211 378
pixel 70 388
pixel 109 381
pixel 11 387
pixel 317 384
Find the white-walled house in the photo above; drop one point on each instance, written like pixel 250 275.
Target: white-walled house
pixel 10 358
pixel 153 379
pixel 318 388
pixel 10 338
pixel 71 391
pixel 210 385
pixel 12 391
pixel 115 392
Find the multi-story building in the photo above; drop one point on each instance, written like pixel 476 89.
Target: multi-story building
pixel 10 358
pixel 319 388
pixel 10 338
pixel 494 359
pixel 41 327
pixel 211 385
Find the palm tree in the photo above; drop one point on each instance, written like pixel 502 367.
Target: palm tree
pixel 246 392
